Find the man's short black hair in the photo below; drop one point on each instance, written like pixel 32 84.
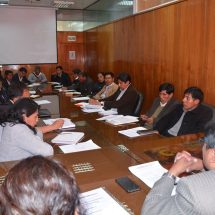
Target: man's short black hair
pixel 124 77
pixel 83 74
pixel 168 87
pixel 76 71
pixel 195 92
pixel 7 72
pixel 59 67
pixel 16 90
pixel 109 73
pixel 209 137
pixel 23 69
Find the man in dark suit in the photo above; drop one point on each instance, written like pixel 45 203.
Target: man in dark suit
pixel 187 118
pixel 161 106
pixel 8 75
pixel 124 99
pixel 21 76
pixel 61 77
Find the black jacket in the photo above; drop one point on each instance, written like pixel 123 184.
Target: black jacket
pixel 193 121
pixel 126 104
pixel 64 79
pixel 16 79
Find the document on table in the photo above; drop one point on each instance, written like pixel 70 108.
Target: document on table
pixel 79 147
pixel 99 202
pixel 150 172
pixel 67 122
pixel 32 92
pixel 84 98
pixel 86 110
pixel 109 117
pixel 122 120
pixel 42 102
pixel 34 85
pixel 132 132
pixel 112 111
pixel 68 138
pixel 34 96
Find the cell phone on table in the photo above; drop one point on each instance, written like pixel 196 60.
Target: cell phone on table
pixel 127 184
pixel 146 132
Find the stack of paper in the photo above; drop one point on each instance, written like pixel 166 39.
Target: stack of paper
pixel 84 146
pixel 99 202
pixel 34 85
pixel 85 98
pixel 42 102
pixel 32 92
pixel 34 96
pixel 88 108
pixel 85 110
pixel 67 122
pixel 122 120
pixel 112 111
pixel 68 138
pixel 132 132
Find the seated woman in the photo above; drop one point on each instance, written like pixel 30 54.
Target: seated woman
pixel 40 186
pixel 100 83
pixel 20 138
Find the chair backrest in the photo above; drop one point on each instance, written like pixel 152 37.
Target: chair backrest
pixel 139 104
pixel 213 111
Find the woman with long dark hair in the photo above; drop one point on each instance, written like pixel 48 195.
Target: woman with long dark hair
pixel 20 138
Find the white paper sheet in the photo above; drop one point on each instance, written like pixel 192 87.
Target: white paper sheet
pixel 85 110
pixel 67 122
pixel 132 132
pixel 34 96
pixel 122 120
pixel 68 138
pixel 42 102
pixel 112 111
pixel 99 202
pixel 149 173
pixel 34 85
pixel 108 117
pixel 84 146
pixel 32 92
pixel 84 98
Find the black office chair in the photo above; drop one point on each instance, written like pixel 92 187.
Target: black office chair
pixel 139 104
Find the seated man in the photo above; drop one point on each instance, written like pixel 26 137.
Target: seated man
pixel 124 99
pixel 61 77
pixel 76 81
pixel 108 90
pixel 194 193
pixel 161 106
pixel 8 75
pixel 187 118
pixel 20 76
pixel 85 86
pixel 37 76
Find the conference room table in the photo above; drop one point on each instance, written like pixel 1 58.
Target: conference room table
pixel 101 167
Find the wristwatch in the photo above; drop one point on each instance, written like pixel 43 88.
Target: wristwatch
pixel 169 175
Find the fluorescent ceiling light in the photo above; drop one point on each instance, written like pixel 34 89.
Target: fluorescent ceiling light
pixel 126 3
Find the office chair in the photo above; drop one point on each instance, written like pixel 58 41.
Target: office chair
pixel 139 104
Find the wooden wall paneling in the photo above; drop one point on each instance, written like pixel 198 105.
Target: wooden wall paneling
pixel 91 53
pixel 209 66
pixel 105 48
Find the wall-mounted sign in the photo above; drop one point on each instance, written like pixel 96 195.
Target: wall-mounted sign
pixel 72 55
pixel 71 38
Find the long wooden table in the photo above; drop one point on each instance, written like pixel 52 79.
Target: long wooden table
pixel 100 168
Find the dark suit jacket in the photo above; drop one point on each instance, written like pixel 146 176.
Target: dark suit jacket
pixel 126 104
pixel 16 79
pixel 193 121
pixel 64 79
pixel 5 84
pixel 86 87
pixel 167 109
